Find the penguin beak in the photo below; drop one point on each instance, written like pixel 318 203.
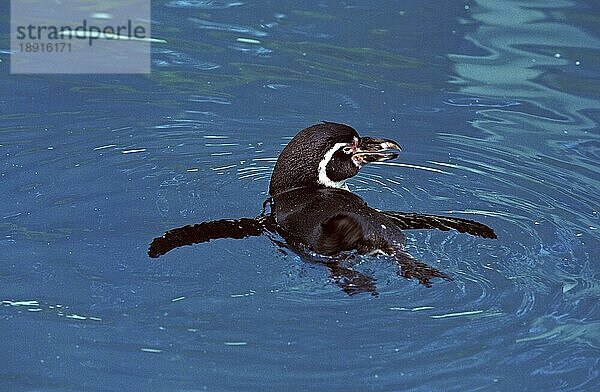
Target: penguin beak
pixel 372 149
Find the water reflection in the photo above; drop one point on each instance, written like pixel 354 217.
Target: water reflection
pixel 538 155
pixel 524 44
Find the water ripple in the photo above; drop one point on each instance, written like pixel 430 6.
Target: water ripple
pixel 167 58
pixel 203 4
pixel 209 25
pixel 480 102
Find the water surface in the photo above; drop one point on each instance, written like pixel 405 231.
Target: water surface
pixel 496 106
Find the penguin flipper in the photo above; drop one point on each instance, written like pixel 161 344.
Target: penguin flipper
pixel 408 221
pixel 206 231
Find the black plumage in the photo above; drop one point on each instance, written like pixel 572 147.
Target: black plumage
pixel 319 218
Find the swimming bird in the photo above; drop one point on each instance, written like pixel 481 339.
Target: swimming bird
pixel 318 217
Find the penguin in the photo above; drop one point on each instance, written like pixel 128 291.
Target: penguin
pixel 318 217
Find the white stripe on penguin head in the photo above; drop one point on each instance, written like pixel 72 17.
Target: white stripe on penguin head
pixel 323 178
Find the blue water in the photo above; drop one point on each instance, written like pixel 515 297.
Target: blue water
pixel 497 106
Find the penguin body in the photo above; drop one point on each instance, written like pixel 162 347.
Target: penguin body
pixel 311 202
pixel 313 210
pixel 329 221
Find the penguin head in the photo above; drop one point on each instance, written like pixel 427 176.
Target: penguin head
pixel 325 155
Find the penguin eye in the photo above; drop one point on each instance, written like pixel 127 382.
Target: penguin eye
pixel 349 149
